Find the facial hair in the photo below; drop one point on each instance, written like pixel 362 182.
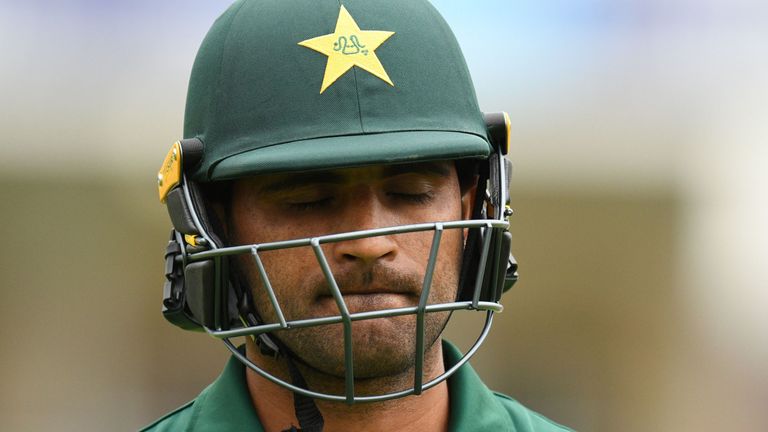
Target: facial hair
pixel 382 346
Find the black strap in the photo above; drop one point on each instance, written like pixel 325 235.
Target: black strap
pixel 309 417
pixel 307 413
pixel 473 245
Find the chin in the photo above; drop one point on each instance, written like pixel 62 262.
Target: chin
pixel 383 347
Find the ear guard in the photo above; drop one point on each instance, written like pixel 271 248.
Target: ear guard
pixel 499 274
pixel 198 294
pixel 195 294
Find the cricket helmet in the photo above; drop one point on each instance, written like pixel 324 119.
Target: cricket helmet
pixel 298 85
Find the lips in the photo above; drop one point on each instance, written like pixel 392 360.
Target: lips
pixel 390 288
pixel 371 301
pixel 373 289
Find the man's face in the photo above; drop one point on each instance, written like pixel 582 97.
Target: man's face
pixel 372 273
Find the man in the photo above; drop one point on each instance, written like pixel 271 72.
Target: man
pixel 337 196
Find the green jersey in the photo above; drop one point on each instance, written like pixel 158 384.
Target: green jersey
pixel 226 405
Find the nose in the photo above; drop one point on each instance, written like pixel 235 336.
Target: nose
pixel 366 213
pixel 366 251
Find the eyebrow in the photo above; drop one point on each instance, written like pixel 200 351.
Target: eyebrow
pixel 294 181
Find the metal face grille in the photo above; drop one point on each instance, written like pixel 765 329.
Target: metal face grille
pixel 487 228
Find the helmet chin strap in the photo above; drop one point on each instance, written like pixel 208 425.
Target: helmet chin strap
pixel 309 416
pixel 306 411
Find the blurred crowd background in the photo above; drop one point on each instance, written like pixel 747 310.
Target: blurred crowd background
pixel 640 144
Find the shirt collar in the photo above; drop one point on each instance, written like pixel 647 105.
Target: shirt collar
pixel 226 403
pixel 474 407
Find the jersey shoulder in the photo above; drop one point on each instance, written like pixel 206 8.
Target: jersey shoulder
pixel 526 420
pixel 176 420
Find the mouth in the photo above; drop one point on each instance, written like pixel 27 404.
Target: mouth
pixel 371 301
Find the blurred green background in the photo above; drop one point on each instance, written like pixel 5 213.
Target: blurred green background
pixel 640 143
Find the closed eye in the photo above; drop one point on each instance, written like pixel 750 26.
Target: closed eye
pixel 310 205
pixel 417 198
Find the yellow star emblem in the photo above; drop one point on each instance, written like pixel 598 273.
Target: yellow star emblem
pixel 349 46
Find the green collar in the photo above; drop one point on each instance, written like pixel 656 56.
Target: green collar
pixel 226 403
pixel 474 407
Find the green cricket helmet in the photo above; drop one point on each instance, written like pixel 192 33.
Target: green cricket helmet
pixel 298 85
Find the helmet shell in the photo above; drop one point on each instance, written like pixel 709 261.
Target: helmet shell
pixel 255 98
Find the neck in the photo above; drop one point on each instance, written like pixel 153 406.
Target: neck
pixel 427 412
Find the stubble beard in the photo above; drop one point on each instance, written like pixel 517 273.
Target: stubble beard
pixel 384 349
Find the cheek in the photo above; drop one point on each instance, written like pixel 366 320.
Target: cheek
pixel 449 263
pixel 415 249
pixel 453 204
pixel 294 276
